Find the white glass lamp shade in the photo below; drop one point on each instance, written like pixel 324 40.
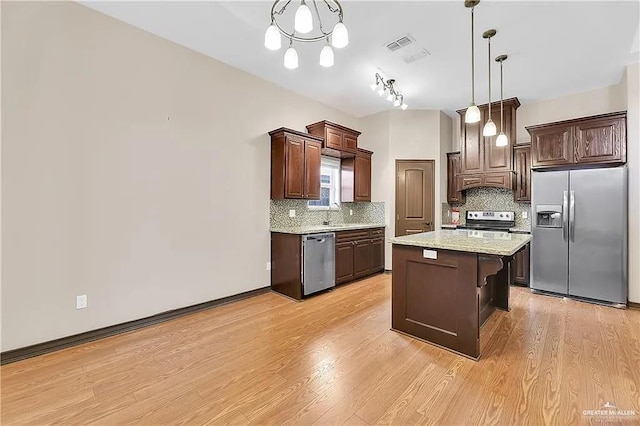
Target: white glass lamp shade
pixel 489 128
pixel 340 37
pixel 472 115
pixel 374 86
pixel 326 56
pixel 272 39
pixel 303 20
pixel 390 97
pixel 381 91
pixel 291 59
pixel 396 102
pixel 404 106
pixel 502 140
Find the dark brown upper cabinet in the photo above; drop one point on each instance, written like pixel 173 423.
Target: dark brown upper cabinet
pixel 295 165
pixel 482 163
pixel 600 140
pixel 340 141
pixel 454 195
pixel 522 162
pixel 356 177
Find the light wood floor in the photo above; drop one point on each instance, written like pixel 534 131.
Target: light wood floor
pixel 332 359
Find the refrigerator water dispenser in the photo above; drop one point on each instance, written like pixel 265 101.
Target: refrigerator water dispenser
pixel 549 216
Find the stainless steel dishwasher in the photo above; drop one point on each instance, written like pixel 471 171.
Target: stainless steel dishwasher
pixel 318 262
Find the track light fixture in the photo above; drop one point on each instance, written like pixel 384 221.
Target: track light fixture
pixel 381 87
pixel 303 30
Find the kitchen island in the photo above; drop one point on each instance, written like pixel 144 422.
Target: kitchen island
pixel 447 283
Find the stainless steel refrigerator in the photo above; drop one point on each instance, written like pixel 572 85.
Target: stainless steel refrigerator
pixel 579 228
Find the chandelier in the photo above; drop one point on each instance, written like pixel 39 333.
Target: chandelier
pixel 303 30
pixel 381 87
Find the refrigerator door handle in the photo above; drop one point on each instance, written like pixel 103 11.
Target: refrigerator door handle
pixel 572 217
pixel 565 217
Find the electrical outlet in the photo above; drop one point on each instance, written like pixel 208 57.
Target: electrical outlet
pixel 268 266
pixel 81 301
pixel 525 215
pixel 292 213
pixel 350 212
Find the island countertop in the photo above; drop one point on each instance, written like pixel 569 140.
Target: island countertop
pixel 484 242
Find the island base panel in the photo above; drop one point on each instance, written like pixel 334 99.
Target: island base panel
pixel 437 300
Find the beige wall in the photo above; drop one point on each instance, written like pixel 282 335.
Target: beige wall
pixel 133 170
pixel 397 135
pixel 633 157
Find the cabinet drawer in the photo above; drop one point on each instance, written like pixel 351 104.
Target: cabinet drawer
pixel 377 232
pixel 343 236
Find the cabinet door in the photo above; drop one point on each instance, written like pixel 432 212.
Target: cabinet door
pixel 350 143
pixel 522 158
pixel 552 146
pixel 522 266
pixel 377 254
pixel 294 168
pixel 471 147
pixel 344 262
pixel 601 140
pixel 454 195
pixel 333 138
pixel 362 178
pixel 498 158
pixel 361 257
pixel 312 160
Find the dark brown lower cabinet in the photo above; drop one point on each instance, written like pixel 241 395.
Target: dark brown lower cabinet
pixel 361 258
pixel 522 266
pixel 359 254
pixel 344 262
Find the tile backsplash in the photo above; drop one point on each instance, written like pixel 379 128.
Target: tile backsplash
pixel 362 213
pixel 490 199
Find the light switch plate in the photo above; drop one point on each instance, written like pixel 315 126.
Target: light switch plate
pixel 350 212
pixel 292 213
pixel 525 215
pixel 268 266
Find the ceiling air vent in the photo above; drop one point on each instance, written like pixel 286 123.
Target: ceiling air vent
pixel 399 43
pixel 421 54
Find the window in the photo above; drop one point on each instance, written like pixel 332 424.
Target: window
pixel 329 184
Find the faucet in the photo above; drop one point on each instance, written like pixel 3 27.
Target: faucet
pixel 327 221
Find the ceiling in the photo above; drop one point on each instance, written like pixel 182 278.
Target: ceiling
pixel 555 48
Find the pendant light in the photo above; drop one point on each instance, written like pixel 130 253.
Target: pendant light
pixel 489 127
pixel 291 57
pixel 502 139
pixel 272 39
pixel 303 20
pixel 473 112
pixel 326 56
pixel 340 37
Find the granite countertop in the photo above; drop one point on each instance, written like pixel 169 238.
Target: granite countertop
pixel 315 229
pixel 484 242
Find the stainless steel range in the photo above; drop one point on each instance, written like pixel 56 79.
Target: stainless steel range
pixel 489 221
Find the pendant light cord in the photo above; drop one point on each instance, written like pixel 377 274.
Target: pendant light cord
pixel 473 67
pixel 501 100
pixel 489 78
